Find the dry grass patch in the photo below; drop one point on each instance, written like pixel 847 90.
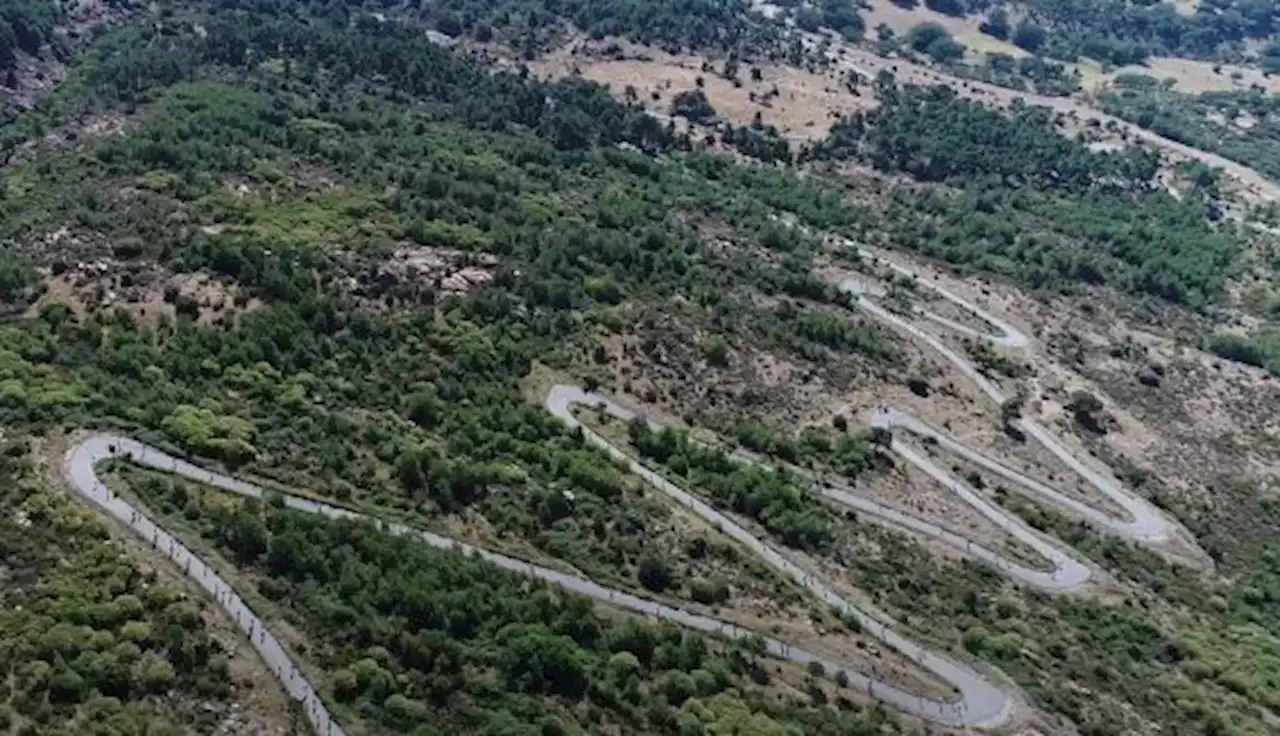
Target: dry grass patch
pixel 806 103
pixel 1190 418
pixel 1162 433
pixel 88 126
pixel 87 272
pixel 146 290
pixel 964 30
pixel 1193 76
pixel 800 103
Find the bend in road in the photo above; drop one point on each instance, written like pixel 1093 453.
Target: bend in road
pixel 79 468
pixel 1142 523
pixel 980 704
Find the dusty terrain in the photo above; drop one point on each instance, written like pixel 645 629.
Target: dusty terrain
pixel 1208 411
pixel 1082 338
pixel 1189 75
pixel 450 272
pixel 90 273
pixel 964 30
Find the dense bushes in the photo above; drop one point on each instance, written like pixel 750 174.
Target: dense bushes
pixel 86 634
pixel 1239 125
pixel 418 638
pixel 1119 32
pixel 937 135
pixel 298 153
pixel 780 501
pixel 934 40
pixel 693 105
pixel 1032 73
pixel 370 387
pixel 572 114
pixel 202 432
pixel 17 280
pixel 719 25
pixel 1262 350
pixel 25 25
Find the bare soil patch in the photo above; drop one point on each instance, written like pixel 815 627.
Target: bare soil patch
pixel 451 272
pixel 1186 7
pixel 807 102
pixel 959 409
pixel 1186 421
pixel 911 489
pixel 97 124
pixel 86 272
pixel 1208 411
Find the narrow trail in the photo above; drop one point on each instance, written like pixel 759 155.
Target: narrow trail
pixel 983 701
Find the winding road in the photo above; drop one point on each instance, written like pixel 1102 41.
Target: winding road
pixel 981 704
pixel 1143 521
pixel 983 701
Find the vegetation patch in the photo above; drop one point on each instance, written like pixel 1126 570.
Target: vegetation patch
pixel 307 159
pixel 1037 206
pixel 92 639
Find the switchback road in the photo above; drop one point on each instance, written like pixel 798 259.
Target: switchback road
pixel 982 702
